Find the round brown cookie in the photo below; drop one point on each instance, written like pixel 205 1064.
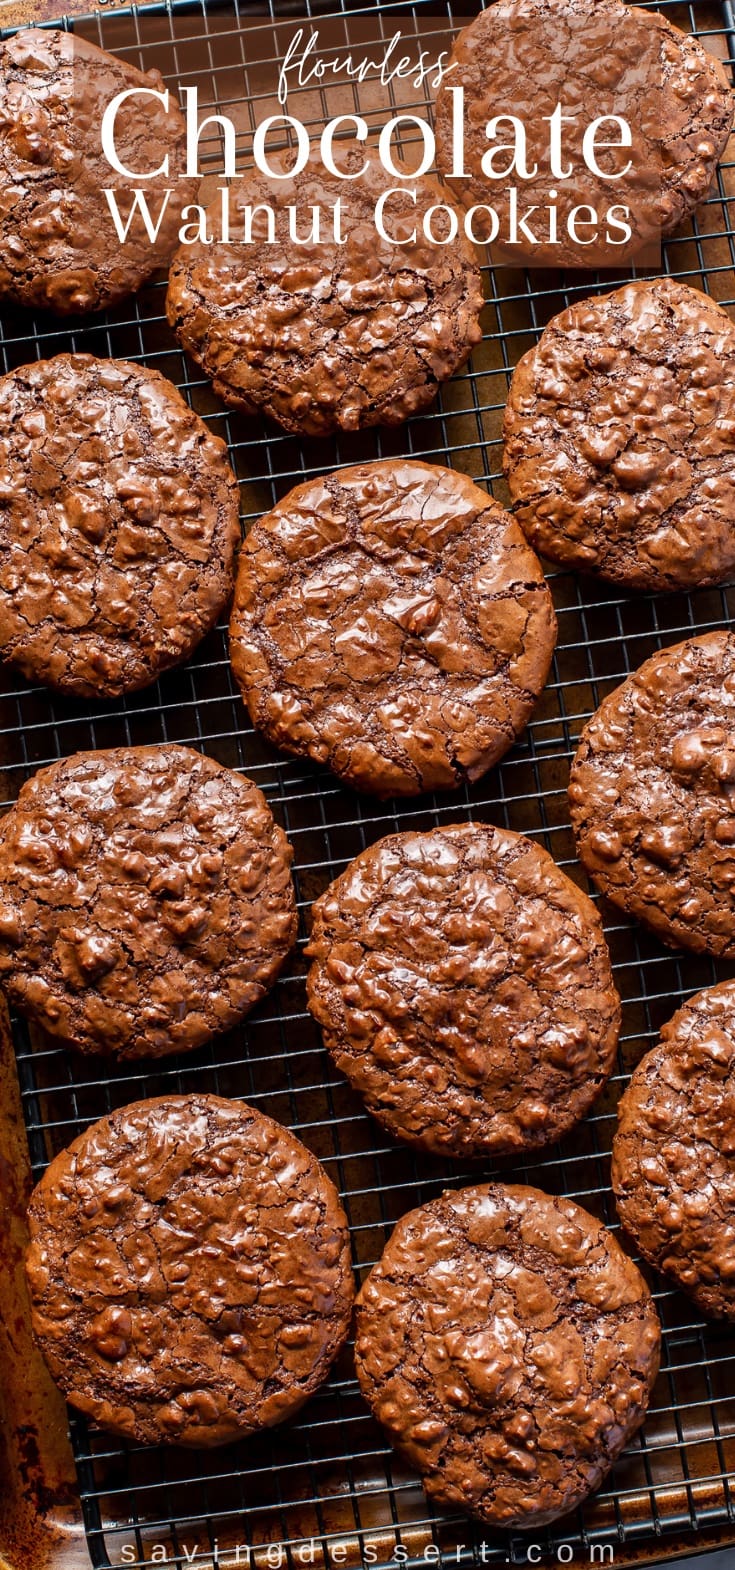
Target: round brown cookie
pixel 652 794
pixel 189 1271
pixel 118 524
pixel 334 334
pixel 673 1168
pixel 59 246
pixel 145 899
pixel 509 1347
pixel 391 621
pixel 593 59
pixel 463 985
pixel 620 438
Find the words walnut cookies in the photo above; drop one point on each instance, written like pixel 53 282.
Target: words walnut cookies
pixel 146 901
pixel 332 334
pixel 189 1271
pixel 463 985
pixel 652 795
pixel 59 249
pixel 673 1168
pixel 659 108
pixel 391 621
pixel 509 1347
pixel 620 438
pixel 118 524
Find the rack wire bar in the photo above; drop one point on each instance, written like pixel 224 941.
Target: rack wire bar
pixel 326 1490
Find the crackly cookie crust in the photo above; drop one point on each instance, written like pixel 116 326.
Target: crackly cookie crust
pixel 189 1271
pixel 329 336
pixel 463 985
pixel 619 438
pixel 59 248
pixel 391 621
pixel 119 519
pixel 146 901
pixel 673 1168
pixel 651 794
pixel 509 1347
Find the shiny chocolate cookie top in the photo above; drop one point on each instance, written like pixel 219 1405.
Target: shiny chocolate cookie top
pixel 337 332
pixel 463 985
pixel 620 438
pixel 59 246
pixel 146 901
pixel 189 1271
pixel 673 1165
pixel 509 1347
pixel 391 621
pixel 591 60
pixel 118 524
pixel 652 794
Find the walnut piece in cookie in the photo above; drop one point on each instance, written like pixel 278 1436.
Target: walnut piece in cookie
pixel 391 621
pixel 189 1271
pixel 334 333
pixel 586 60
pixel 59 246
pixel 146 901
pixel 620 438
pixel 119 519
pixel 509 1348
pixel 463 985
pixel 673 1168
pixel 652 795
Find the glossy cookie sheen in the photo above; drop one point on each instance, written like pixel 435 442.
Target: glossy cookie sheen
pixel 119 519
pixel 391 621
pixel 509 1347
pixel 189 1271
pixel 335 333
pixel 463 985
pixel 595 58
pixel 59 247
pixel 146 901
pixel 652 794
pixel 673 1168
pixel 619 438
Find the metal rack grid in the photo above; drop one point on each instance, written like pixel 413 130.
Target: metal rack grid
pixel 326 1485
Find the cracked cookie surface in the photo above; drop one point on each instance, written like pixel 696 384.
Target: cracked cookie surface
pixel 619 438
pixel 146 901
pixel 592 59
pixel 509 1347
pixel 463 985
pixel 673 1168
pixel 119 519
pixel 391 621
pixel 59 248
pixel 652 794
pixel 189 1271
pixel 332 334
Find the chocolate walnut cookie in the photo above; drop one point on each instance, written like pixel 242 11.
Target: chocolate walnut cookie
pixel 509 1347
pixel 145 900
pixel 391 621
pixel 652 798
pixel 620 438
pixel 589 59
pixel 118 524
pixel 59 247
pixel 339 332
pixel 189 1271
pixel 463 985
pixel 673 1168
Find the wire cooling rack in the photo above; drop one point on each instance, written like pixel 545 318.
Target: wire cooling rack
pixel 326 1490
